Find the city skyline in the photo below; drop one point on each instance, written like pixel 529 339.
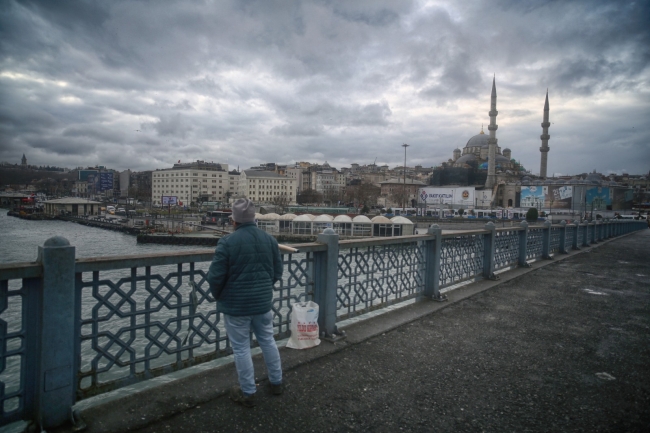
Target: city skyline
pixel 134 85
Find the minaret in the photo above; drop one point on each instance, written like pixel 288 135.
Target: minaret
pixel 544 149
pixel 492 141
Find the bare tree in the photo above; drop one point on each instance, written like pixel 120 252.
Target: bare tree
pixel 309 196
pixel 281 202
pixel 364 194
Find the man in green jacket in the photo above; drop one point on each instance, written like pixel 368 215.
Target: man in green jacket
pixel 246 265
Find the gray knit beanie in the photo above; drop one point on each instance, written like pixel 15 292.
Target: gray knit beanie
pixel 243 210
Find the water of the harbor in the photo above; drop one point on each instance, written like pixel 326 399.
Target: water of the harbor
pixel 21 239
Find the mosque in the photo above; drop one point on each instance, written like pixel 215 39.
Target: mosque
pixel 483 164
pixel 499 181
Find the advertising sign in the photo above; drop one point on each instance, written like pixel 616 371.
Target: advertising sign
pixel 541 197
pixel 169 200
pixel 533 196
pixel 600 197
pixel 105 181
pixel 462 195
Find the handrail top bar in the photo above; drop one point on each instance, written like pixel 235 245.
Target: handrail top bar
pixel 160 259
pixel 12 271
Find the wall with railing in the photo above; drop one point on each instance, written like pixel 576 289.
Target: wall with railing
pixel 74 328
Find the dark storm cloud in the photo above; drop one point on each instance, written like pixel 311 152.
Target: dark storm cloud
pixel 90 82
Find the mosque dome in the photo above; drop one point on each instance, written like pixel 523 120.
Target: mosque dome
pixel 480 140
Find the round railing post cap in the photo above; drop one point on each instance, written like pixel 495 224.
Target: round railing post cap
pixel 56 241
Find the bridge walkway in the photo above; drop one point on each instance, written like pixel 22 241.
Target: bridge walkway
pixel 564 346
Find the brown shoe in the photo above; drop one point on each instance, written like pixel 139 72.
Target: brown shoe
pixel 277 389
pixel 238 396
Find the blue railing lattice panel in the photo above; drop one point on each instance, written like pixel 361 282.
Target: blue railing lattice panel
pixel 140 323
pixel 590 234
pixel 534 244
pixel 556 233
pixel 461 258
pixel 506 251
pixel 581 233
pixel 14 315
pixel 568 237
pixel 378 275
pixel 151 321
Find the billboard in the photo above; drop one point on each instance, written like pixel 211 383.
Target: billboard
pixel 599 196
pixel 557 197
pixel 462 195
pixel 169 200
pixel 105 181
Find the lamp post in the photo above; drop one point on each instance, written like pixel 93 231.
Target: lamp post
pixel 404 197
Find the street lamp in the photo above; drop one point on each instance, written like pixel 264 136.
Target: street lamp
pixel 404 195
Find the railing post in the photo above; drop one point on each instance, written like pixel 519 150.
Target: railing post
pixel 326 279
pixel 574 244
pixel 56 375
pixel 563 237
pixel 593 233
pixel 489 250
pixel 523 243
pixel 546 240
pixel 432 263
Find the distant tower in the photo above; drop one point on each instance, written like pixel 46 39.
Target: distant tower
pixel 456 154
pixel 492 141
pixel 544 149
pixel 23 161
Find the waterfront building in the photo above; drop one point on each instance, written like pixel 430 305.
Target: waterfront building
pixel 193 182
pixel 267 187
pixel 71 206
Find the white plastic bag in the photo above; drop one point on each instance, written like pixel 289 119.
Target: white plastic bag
pixel 304 326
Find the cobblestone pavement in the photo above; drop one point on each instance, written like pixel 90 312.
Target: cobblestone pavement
pixel 565 348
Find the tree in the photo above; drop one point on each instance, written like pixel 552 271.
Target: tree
pixel 461 211
pixel 309 196
pixel 364 194
pixel 399 196
pixel 281 202
pixel 532 214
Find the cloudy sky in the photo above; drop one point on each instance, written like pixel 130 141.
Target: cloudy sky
pixel 143 84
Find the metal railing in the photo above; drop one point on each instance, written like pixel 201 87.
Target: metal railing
pixel 72 329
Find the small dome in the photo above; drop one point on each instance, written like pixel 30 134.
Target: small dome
pixel 574 181
pixel 287 217
pixel 342 219
pixel 401 220
pixel 594 178
pixel 507 150
pixel 361 219
pixel 302 218
pixel 323 218
pixel 269 217
pixel 379 219
pixel 526 179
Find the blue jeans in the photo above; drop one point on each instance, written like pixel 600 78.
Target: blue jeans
pixel 238 329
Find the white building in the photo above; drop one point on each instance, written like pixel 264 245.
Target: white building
pixel 193 182
pixel 266 186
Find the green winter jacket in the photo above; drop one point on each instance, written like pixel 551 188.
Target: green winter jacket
pixel 246 265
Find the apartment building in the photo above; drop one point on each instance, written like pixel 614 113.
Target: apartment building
pixel 193 182
pixel 266 186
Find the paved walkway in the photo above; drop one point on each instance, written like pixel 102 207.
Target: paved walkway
pixel 564 347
